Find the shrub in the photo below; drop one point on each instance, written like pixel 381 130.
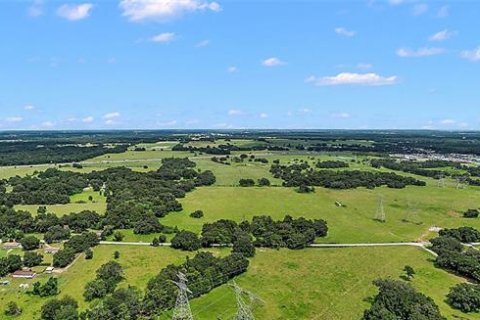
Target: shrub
pixel 197 214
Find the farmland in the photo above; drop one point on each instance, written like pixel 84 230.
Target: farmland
pixel 288 284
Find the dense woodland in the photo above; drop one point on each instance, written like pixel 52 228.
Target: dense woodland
pixel 301 174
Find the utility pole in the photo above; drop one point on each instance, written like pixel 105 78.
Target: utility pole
pixel 243 309
pixel 380 214
pixel 182 309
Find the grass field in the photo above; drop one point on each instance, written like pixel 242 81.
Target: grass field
pixel 78 202
pixel 410 212
pixel 307 284
pixel 139 264
pixel 325 284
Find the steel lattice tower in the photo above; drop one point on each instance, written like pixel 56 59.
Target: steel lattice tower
pixel 380 214
pixel 182 309
pixel 243 309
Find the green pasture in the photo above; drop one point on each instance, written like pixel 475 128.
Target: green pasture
pixel 410 212
pixel 325 284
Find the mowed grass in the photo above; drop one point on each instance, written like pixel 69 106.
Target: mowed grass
pixel 409 212
pixel 78 202
pixel 325 284
pixel 140 264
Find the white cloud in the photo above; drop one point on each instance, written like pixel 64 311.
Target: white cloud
pixel 29 107
pixel 263 115
pixel 202 44
pixel 272 62
pixel 13 119
pixel 472 55
pixel 47 124
pixel 35 9
pixel 344 32
pixel 341 115
pixel 441 35
pixel 347 78
pixel 75 12
pixel 111 115
pixel 235 112
pixel 443 12
pixel 163 10
pixel 419 9
pixel 88 119
pixel 421 52
pixel 232 69
pixel 448 122
pixel 163 37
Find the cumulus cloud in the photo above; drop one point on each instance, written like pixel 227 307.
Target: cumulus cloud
pixel 235 112
pixel 419 9
pixel 75 12
pixel 272 62
pixel 441 35
pixel 163 37
pixel 89 119
pixel 263 115
pixel 472 55
pixel 111 118
pixel 345 32
pixel 13 119
pixel 29 107
pixel 421 52
pixel 163 10
pixel 347 78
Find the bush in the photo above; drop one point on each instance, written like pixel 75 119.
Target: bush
pixel 246 182
pixel 399 300
pixel 95 289
pixel 12 309
pixel 263 182
pixel 197 214
pixel 118 236
pixel 63 258
pixel 186 240
pixel 244 245
pixel 465 297
pixel 49 288
pixel 30 243
pixel 32 259
pixel 471 213
pixel 89 254
pixel 56 309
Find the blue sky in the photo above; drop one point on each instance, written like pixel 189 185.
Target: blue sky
pixel 153 64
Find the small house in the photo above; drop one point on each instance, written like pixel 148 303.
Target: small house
pixel 51 250
pixel 11 245
pixel 24 274
pixel 49 270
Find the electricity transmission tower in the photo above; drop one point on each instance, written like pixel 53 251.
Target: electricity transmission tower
pixel 243 309
pixel 380 214
pixel 182 309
